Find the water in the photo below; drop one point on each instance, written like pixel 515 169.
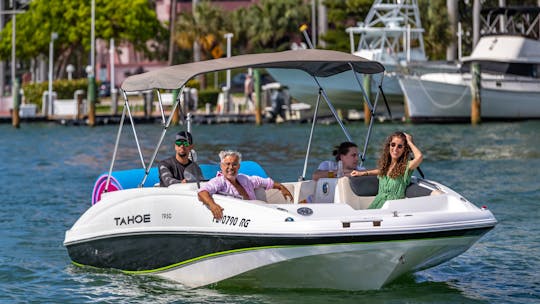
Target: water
pixel 48 173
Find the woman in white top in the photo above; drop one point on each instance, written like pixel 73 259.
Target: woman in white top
pixel 347 153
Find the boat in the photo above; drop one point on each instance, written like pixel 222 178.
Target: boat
pixel 509 59
pixel 391 34
pixel 333 242
pixel 510 84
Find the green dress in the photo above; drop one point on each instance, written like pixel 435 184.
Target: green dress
pixel 391 188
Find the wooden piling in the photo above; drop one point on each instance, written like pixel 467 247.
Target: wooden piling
pixel 367 87
pixel 15 119
pixel 91 98
pixel 79 106
pixel 258 105
pixel 406 115
pixel 175 116
pixel 148 98
pixel 476 100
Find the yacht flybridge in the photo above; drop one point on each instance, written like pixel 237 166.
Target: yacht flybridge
pixel 334 242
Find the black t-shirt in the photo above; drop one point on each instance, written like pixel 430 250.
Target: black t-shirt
pixel 171 171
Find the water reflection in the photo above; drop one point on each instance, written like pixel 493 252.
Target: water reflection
pixel 48 172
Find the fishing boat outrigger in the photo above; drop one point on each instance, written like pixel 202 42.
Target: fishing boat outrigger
pixel 334 242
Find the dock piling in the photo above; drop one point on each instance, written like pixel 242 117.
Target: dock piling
pixel 258 107
pixel 91 96
pixel 175 116
pixel 476 99
pixel 367 87
pixel 15 119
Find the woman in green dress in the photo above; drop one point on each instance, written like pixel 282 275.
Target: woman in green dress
pixel 394 168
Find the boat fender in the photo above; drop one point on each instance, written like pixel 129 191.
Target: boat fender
pixel 124 179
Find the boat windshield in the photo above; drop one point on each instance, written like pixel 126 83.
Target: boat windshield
pixel 518 69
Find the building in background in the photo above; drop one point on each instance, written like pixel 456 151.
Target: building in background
pixel 127 61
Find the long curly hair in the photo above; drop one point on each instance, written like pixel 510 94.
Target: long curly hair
pixel 385 160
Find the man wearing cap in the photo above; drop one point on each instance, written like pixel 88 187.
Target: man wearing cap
pixel 180 168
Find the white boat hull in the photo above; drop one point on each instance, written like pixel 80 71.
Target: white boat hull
pixel 448 97
pixel 168 233
pixel 362 266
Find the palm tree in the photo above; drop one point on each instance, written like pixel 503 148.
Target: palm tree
pixel 273 22
pixel 207 27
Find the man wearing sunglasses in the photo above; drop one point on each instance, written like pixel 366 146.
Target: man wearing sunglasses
pixel 180 168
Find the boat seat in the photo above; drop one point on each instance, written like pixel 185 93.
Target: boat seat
pixel 325 190
pixel 369 186
pixel 415 190
pixel 304 191
pixel 274 196
pixel 365 186
pixel 360 191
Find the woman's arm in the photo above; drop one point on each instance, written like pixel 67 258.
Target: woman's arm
pixel 418 157
pixel 365 172
pixel 319 174
pixel 323 170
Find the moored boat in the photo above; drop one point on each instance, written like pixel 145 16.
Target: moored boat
pixel 391 34
pixel 509 65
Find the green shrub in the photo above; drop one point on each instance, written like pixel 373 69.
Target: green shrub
pixel 208 96
pixel 65 89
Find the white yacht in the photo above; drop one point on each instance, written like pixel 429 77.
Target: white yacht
pixel 510 84
pixel 391 34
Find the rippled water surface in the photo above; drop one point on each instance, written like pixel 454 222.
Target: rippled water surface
pixel 48 173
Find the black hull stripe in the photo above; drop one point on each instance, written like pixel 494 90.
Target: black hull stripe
pixel 151 253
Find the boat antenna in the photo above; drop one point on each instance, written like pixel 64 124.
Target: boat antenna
pixel 303 29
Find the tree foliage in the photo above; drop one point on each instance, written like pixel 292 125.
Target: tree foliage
pixel 132 21
pixel 436 26
pixel 341 15
pixel 274 24
pixel 206 27
pixel 266 26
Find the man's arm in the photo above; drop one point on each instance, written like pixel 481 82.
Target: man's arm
pixel 166 177
pixel 206 199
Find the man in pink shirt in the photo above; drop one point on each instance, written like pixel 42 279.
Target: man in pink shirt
pixel 229 182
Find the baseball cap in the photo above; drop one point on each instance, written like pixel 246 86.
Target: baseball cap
pixel 184 135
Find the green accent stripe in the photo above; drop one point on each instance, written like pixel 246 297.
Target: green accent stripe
pixel 227 252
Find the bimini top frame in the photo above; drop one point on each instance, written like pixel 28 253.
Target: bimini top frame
pixel 317 63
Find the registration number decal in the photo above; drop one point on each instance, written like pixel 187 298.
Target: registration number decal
pixel 232 221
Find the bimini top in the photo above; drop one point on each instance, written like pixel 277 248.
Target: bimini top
pixel 319 63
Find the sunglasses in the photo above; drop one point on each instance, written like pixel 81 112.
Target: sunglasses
pixel 182 143
pixel 393 145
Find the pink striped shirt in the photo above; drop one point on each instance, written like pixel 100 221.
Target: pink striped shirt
pixel 221 185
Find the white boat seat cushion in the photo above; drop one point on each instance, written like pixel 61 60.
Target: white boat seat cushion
pixel 325 190
pixel 345 194
pixel 273 196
